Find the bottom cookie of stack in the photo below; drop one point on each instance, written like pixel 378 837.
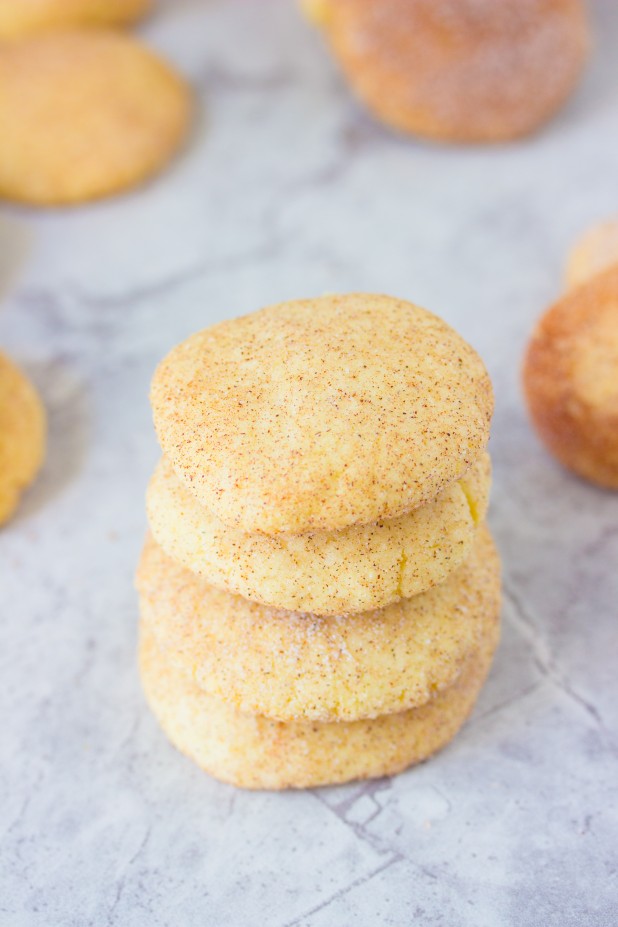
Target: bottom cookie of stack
pixel 255 752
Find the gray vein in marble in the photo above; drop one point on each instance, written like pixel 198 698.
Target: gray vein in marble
pixel 547 664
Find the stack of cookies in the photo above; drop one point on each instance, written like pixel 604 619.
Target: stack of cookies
pixel 319 594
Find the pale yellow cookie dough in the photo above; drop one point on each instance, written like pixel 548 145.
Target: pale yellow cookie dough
pixel 255 753
pixel 20 18
pixel 320 414
pixel 84 114
pixel 326 573
pixel 289 666
pixel 22 435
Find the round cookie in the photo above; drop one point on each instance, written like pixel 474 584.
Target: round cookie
pixel 570 378
pixel 459 70
pixel 595 252
pixel 255 753
pixel 325 573
pixel 22 435
pixel 19 18
pixel 319 414
pixel 84 114
pixel 289 666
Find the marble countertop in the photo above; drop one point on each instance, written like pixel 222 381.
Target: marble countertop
pixel 289 190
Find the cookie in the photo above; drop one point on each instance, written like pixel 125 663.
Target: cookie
pixel 320 414
pixel 595 252
pixel 458 70
pixel 22 435
pixel 570 378
pixel 325 573
pixel 20 18
pixel 84 114
pixel 256 753
pixel 291 666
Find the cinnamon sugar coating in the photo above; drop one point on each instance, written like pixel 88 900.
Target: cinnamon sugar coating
pixel 326 573
pixel 254 752
pixel 297 666
pixel 320 414
pixel 459 70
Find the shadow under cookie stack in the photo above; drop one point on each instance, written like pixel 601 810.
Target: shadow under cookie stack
pixel 319 594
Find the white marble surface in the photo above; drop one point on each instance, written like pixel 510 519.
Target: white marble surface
pixel 286 190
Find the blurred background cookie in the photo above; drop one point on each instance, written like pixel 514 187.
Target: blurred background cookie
pixel 570 370
pixel 595 251
pixel 84 114
pixel 22 435
pixel 19 18
pixel 458 70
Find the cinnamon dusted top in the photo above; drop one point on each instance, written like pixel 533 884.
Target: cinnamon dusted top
pixel 323 413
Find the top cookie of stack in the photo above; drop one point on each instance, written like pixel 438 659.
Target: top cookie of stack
pixel 322 455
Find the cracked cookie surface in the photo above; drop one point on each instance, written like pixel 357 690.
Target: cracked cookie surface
pixel 458 70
